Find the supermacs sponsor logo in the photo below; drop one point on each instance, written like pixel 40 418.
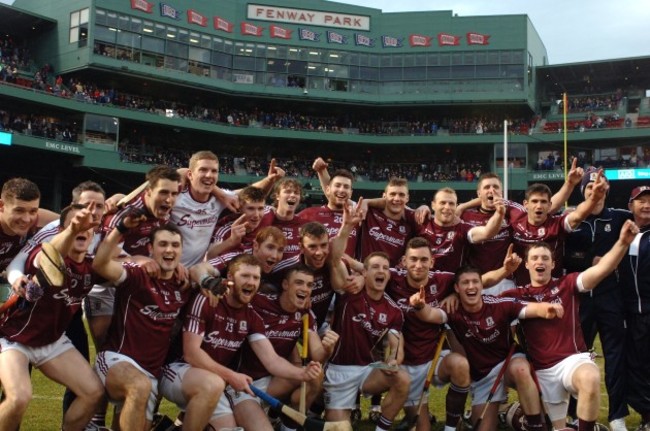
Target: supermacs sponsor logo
pixel 215 341
pixel 188 221
pixel 68 299
pixel 378 235
pixel 154 313
pixel 362 319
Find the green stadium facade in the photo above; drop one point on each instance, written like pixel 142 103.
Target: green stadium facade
pixel 125 83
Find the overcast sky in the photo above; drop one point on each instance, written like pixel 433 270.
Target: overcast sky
pixel 572 30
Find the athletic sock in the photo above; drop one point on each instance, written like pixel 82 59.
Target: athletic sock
pixel 383 424
pixel 99 419
pixel 535 423
pixel 455 404
pixel 584 425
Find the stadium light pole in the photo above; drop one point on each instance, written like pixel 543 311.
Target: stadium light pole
pixel 505 159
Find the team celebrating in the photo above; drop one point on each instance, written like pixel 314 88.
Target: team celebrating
pixel 217 302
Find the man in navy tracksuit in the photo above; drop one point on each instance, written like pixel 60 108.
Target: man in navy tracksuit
pixel 634 271
pixel 601 309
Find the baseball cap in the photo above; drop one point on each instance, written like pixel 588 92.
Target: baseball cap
pixel 589 176
pixel 638 191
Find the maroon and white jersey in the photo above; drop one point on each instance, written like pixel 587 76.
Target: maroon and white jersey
pixel 196 221
pixel 448 244
pixel 144 314
pixel 223 328
pixel 224 228
pixel 419 337
pixel 332 221
pixel 10 245
pixel 362 324
pixel 45 320
pixel 380 233
pixel 290 229
pixel 485 335
pixel 136 240
pixel 283 330
pixel 550 341
pixel 321 294
pixel 489 255
pixel 553 231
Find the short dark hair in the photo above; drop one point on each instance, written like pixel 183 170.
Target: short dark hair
pixel 299 267
pixel 417 242
pixel 342 173
pixel 167 227
pixel 313 229
pixel 252 194
pixel 539 244
pixel 286 183
pixel 85 187
pixel 487 176
pixel 466 269
pixel 160 172
pixel 538 189
pixel 21 189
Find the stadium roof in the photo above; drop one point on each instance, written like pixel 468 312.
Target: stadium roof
pixel 17 22
pixel 574 77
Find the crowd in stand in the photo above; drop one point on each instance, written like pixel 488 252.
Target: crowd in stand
pixel 12 59
pixel 600 102
pixel 41 126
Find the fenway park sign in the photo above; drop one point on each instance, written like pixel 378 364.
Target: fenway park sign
pixel 308 17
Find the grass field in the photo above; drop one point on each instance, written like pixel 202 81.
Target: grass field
pixel 44 413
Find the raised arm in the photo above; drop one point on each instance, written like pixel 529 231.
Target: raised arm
pixel 274 174
pixel 424 311
pixel 608 263
pixel 574 177
pixel 320 167
pixel 461 208
pixel 321 349
pixel 338 271
pixel 542 310
pixel 483 233
pixel 510 265
pixel 81 222
pixel 586 207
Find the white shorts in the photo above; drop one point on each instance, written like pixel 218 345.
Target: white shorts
pixel 37 356
pixel 106 359
pixel 501 286
pixel 418 374
pixel 481 389
pixel 171 384
pixel 556 383
pixel 342 383
pixel 237 397
pixel 100 301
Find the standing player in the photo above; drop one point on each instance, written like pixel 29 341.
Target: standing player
pixel 131 358
pixel 634 273
pixel 236 233
pixel 286 196
pixel 537 224
pixel 448 240
pixel 212 339
pixel 388 229
pixel 34 331
pixel 482 326
pixel 338 191
pixel 601 310
pixel 556 348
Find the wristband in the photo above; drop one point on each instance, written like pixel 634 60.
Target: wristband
pixel 121 227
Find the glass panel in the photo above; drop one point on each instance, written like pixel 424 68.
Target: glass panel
pixel 445 59
pixel 438 72
pixel 354 59
pixel 506 58
pixel 468 58
pixel 228 46
pixel 104 34
pixel 462 71
pixel 364 60
pixel 153 44
pixel 293 54
pixel 415 73
pixel 316 69
pixel 246 63
pixel 385 61
pixel 183 36
pixel 457 58
pixel 74 34
pixel 101 130
pixel 199 54
pixel 515 71
pixel 391 74
pixel 397 61
pixel 276 66
pixel 124 23
pixel 433 59
pixel 195 38
pixel 147 27
pixel 100 17
pixel 493 57
pixel 217 44
pixel 481 58
pixel 297 67
pixel 74 19
pixel 83 16
pixel 136 25
pixel 206 41
pixel 337 71
pixel 518 57
pixel 161 30
pixel 354 72
pixel 315 54
pixel 487 71
pixel 221 59
pixel 127 39
pixel 374 60
pixel 176 49
pixel 369 73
